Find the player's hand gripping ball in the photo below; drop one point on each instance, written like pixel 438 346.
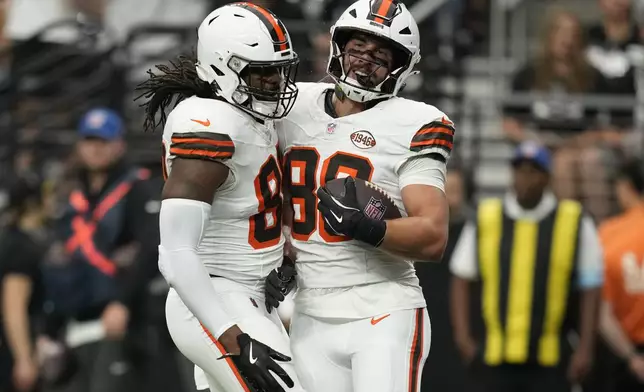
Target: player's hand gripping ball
pixel 357 209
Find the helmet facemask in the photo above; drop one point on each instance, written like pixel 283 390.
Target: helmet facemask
pixel 265 89
pixel 365 86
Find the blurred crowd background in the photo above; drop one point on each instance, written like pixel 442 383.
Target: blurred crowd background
pixel 568 73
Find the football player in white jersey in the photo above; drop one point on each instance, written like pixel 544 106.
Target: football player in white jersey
pixel 360 322
pixel 220 218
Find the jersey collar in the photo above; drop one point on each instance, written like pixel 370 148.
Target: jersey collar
pixel 515 211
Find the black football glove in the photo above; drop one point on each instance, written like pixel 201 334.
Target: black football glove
pixel 279 283
pixel 256 361
pixel 346 218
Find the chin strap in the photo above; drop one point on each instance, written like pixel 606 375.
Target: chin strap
pixel 339 93
pixel 328 102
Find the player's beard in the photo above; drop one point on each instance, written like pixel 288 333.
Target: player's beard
pixel 265 98
pixel 268 101
pixel 367 69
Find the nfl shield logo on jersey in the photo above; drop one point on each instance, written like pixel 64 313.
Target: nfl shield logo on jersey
pixel 375 209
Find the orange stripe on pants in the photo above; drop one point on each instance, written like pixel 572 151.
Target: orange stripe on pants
pixel 416 354
pixel 229 361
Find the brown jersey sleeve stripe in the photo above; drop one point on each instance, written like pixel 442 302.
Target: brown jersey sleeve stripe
pixel 206 144
pixel 436 125
pixel 438 129
pixel 274 26
pixel 434 134
pixel 222 137
pixel 435 143
pixel 224 145
pixel 204 147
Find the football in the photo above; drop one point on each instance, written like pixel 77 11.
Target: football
pixel 374 202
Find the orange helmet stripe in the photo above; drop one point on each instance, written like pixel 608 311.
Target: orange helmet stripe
pixel 272 23
pixel 382 11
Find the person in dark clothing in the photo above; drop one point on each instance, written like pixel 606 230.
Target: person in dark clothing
pixel 557 74
pixel 109 234
pixel 22 246
pixel 165 368
pixel 611 42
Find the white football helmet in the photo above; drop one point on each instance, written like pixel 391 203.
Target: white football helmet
pixel 243 41
pixel 387 19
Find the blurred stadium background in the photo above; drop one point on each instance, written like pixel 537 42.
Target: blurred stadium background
pixel 485 63
pixel 62 57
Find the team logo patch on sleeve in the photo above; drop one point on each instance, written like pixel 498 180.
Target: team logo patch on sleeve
pixel 375 209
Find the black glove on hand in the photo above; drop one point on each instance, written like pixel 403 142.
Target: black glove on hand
pixel 346 217
pixel 279 283
pixel 256 361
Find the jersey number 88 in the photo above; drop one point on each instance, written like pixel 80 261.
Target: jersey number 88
pixel 300 167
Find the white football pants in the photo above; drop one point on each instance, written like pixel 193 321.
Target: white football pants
pixel 385 353
pixel 199 346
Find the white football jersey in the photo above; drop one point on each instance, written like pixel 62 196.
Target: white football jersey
pixel 339 277
pixel 243 241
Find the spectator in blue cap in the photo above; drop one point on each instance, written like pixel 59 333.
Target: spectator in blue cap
pixel 101 139
pixel 531 163
pixel 533 152
pixel 109 233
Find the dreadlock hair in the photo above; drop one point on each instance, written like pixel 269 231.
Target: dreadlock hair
pixel 170 85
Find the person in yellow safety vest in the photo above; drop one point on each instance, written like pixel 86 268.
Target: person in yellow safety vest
pixel 538 263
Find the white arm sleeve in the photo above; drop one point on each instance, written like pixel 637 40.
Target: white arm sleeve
pixel 463 262
pixel 182 223
pixel 422 170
